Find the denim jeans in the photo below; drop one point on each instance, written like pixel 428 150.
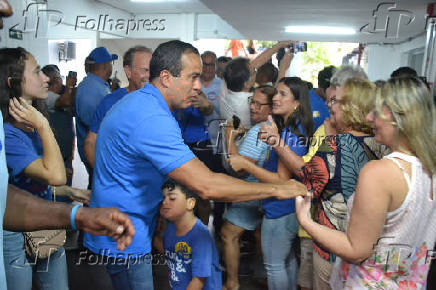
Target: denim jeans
pixel 49 274
pixel 136 274
pixel 279 259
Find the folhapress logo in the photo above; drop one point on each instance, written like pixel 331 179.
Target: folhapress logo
pixel 388 20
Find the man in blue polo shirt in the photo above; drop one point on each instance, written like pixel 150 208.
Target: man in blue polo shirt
pixel 90 92
pixel 139 145
pixel 318 104
pixel 136 63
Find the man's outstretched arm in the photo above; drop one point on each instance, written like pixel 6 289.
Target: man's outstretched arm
pixel 25 212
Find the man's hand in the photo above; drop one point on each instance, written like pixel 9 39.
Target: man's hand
pixel 106 222
pixel 290 189
pixel 237 162
pixel 70 82
pixel 232 132
pixel 269 133
pixel 201 102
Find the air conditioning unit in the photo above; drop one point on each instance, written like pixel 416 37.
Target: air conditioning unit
pixel 67 51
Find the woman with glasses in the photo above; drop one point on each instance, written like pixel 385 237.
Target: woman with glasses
pixel 332 172
pixel 291 111
pixel 242 216
pixel 392 222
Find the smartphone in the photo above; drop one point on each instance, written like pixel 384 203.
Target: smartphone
pixel 301 47
pixel 236 122
pixel 72 74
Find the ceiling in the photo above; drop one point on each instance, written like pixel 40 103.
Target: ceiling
pixel 374 21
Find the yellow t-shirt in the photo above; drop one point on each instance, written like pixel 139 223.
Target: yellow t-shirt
pixel 317 139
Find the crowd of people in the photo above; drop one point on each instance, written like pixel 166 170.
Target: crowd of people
pixel 344 170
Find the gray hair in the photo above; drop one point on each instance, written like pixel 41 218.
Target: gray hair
pixel 129 54
pixel 345 73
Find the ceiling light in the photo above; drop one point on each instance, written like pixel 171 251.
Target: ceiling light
pixel 320 30
pixel 155 1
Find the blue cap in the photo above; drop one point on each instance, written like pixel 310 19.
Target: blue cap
pixel 101 55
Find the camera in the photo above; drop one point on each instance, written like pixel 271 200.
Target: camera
pixel 236 122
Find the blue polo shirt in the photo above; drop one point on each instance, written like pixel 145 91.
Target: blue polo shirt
pixel 3 192
pixel 320 111
pixel 104 107
pixel 138 144
pixel 90 92
pixel 191 123
pixel 273 207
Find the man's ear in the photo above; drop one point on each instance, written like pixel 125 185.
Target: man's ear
pixel 9 82
pixel 128 71
pixel 191 203
pixel 166 78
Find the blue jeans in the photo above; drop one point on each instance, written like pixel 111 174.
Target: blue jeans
pixel 279 259
pixel 136 274
pixel 50 273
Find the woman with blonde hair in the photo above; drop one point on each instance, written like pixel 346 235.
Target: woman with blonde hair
pixel 392 223
pixel 332 172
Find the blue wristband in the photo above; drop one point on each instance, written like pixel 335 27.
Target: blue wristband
pixel 73 216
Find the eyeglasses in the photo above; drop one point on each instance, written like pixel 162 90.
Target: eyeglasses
pixel 257 105
pixel 334 100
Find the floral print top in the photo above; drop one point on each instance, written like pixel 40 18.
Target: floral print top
pixel 332 176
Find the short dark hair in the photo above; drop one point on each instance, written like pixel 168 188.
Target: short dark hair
pixel 324 77
pixel 404 72
pixel 224 59
pixel 267 73
pixel 12 61
pixel 168 56
pixel 237 73
pixel 130 53
pixel 208 52
pixel 171 184
pixel 51 70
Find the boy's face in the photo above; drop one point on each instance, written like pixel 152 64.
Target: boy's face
pixel 175 204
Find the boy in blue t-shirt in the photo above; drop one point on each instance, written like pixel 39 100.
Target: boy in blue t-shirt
pixel 190 252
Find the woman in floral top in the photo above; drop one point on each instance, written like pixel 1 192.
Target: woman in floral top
pixel 392 223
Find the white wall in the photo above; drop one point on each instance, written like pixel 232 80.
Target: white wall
pixel 120 46
pixel 384 59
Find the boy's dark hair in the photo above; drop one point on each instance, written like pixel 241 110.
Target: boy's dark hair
pixel 324 76
pixel 225 59
pixel 171 184
pixel 237 73
pixel 168 56
pixel 267 73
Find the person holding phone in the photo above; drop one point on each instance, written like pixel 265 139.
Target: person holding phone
pixel 60 110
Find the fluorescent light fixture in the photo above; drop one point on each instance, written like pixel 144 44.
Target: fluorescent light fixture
pixel 320 30
pixel 155 1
